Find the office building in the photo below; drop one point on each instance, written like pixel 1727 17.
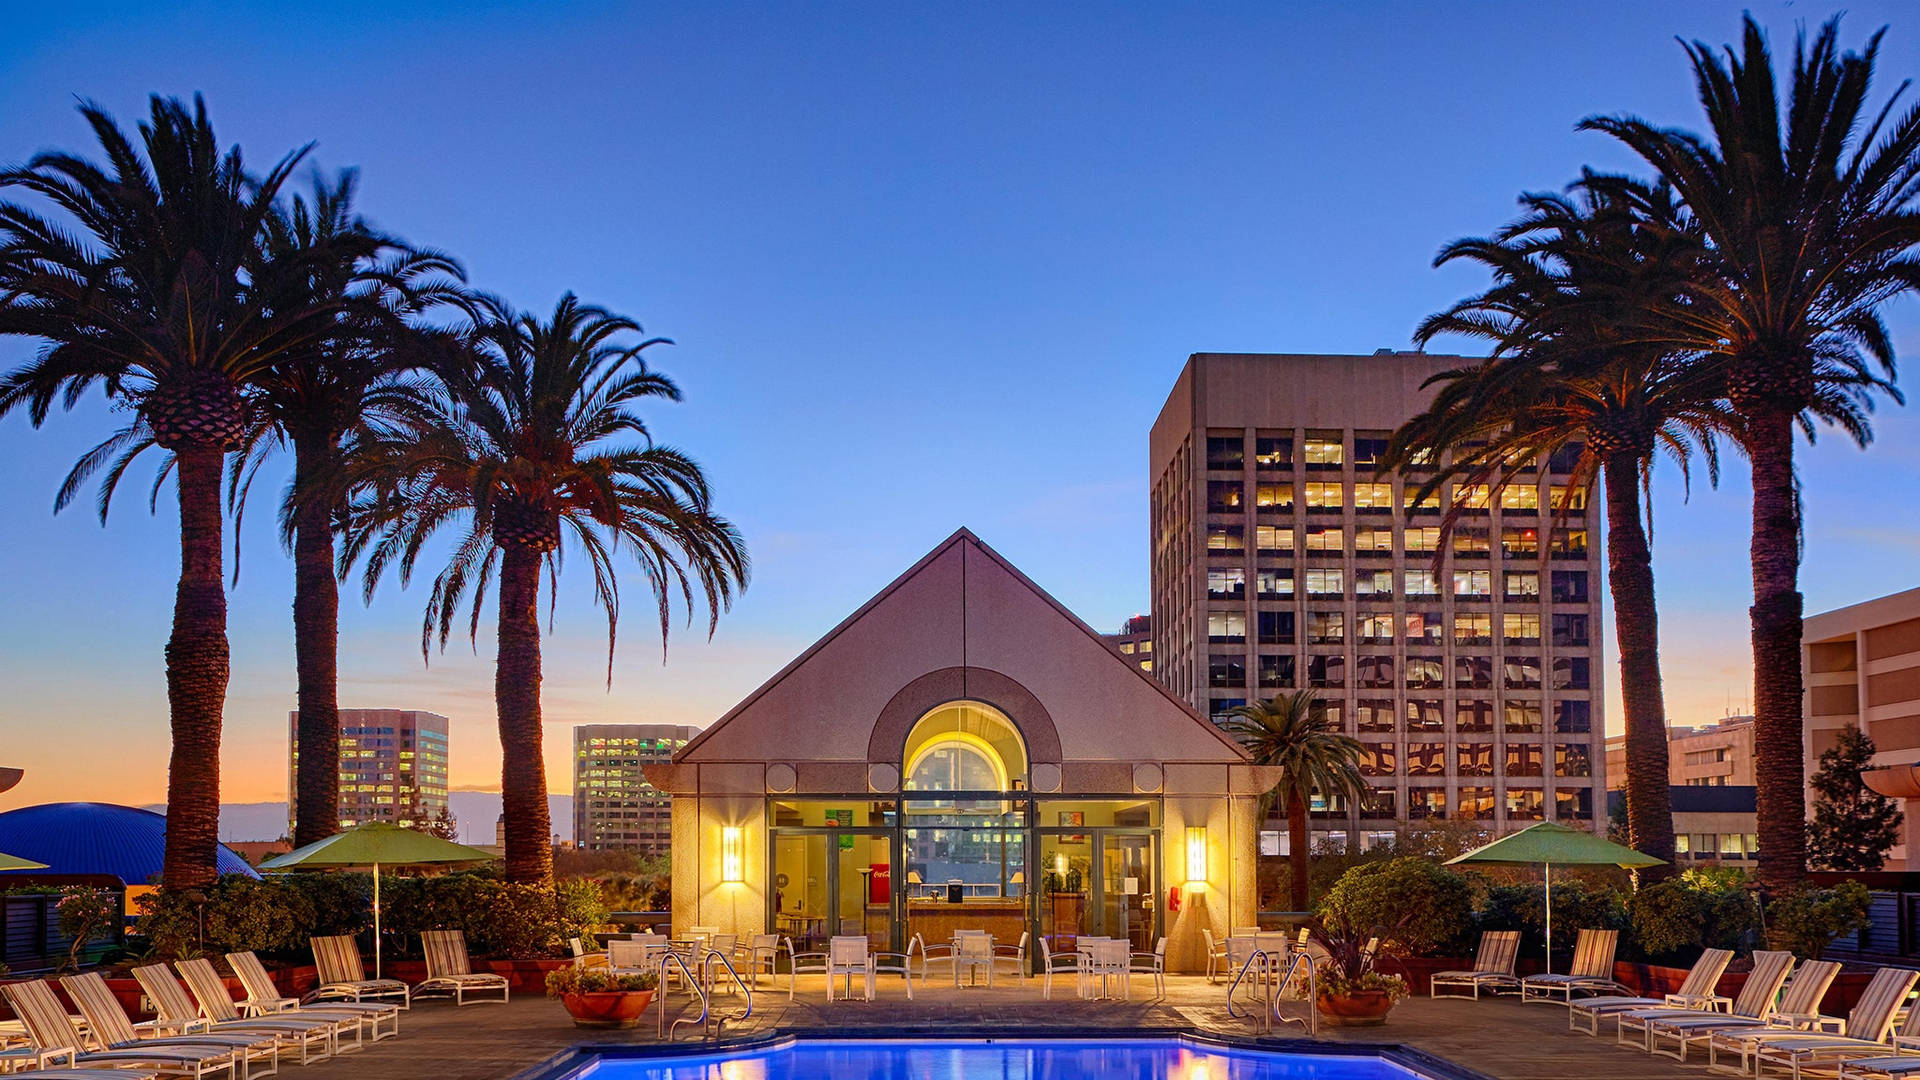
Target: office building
pixel 614 807
pixel 1470 672
pixel 393 767
pixel 1861 666
pixel 1719 754
pixel 1134 641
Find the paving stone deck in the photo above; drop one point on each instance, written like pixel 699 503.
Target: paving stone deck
pixel 1499 1038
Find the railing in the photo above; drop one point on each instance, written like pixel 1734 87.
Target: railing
pixel 707 980
pixel 1271 990
pixel 703 987
pixel 670 957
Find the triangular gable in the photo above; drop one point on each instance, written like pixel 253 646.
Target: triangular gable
pixel 961 605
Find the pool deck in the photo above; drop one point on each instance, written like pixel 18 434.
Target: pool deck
pixel 1500 1038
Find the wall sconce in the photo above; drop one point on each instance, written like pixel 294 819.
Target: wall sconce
pixel 732 871
pixel 1196 858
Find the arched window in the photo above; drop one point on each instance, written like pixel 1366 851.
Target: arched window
pixel 964 746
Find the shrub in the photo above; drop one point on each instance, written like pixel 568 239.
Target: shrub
pixel 578 980
pixel 1412 903
pixel 1806 921
pixel 85 914
pixel 1576 906
pixel 340 902
pixel 1702 908
pixel 499 918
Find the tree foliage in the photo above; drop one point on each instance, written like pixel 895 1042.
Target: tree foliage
pixel 1853 827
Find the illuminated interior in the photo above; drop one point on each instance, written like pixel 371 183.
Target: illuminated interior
pixel 965 746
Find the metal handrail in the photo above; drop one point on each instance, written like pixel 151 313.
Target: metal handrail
pixel 1312 1020
pixel 1258 956
pixel 1272 990
pixel 661 982
pixel 706 979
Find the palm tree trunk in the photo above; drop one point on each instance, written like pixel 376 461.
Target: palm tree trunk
pixel 1776 612
pixel 197 670
pixel 516 693
pixel 316 650
pixel 1297 840
pixel 1636 624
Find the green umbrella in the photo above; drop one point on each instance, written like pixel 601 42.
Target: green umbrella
pixel 15 862
pixel 374 844
pixel 1548 843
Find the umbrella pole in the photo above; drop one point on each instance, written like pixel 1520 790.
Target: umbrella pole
pixel 1549 867
pixel 376 920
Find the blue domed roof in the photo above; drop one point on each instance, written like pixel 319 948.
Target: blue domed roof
pixel 96 838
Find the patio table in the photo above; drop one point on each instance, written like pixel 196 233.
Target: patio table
pixel 1104 959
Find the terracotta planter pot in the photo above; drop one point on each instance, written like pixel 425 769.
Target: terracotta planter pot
pixel 1361 1008
pixel 613 1009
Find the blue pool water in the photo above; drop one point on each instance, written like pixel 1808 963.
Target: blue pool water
pixel 999 1059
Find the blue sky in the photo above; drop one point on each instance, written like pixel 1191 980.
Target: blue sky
pixel 926 265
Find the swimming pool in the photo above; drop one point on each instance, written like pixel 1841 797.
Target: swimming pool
pixel 1163 1058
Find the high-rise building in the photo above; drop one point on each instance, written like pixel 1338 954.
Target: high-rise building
pixel 614 807
pixel 1134 641
pixel 1470 673
pixel 393 767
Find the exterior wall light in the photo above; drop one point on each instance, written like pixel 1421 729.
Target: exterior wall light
pixel 732 871
pixel 1196 858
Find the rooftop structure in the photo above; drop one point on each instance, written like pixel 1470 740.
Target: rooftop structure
pixel 614 807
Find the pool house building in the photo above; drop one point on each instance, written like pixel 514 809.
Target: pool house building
pixel 963 753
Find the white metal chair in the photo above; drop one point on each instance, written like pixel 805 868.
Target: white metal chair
pixel 847 957
pixel 1052 963
pixel 1014 955
pixel 804 963
pixel 972 952
pixel 1105 960
pixel 1151 963
pixel 940 952
pixel 894 963
pixel 584 959
pixel 759 953
pixel 1216 954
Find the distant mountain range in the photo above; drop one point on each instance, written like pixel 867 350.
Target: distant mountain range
pixel 474 813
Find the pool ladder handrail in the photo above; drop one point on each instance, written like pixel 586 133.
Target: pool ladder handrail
pixel 707 979
pixel 1272 990
pixel 660 984
pixel 703 988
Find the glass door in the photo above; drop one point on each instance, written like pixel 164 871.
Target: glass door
pixel 831 882
pixel 1127 907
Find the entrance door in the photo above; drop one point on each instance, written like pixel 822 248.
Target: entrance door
pixel 828 883
pixel 1100 883
pixel 1127 906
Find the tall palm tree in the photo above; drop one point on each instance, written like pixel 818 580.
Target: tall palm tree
pixel 1810 222
pixel 326 402
pixel 539 441
pixel 1314 758
pixel 149 282
pixel 1583 284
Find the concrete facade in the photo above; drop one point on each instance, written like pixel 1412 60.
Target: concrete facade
pixel 614 807
pixel 393 767
pixel 1862 667
pixel 817 765
pixel 1719 754
pixel 1280 560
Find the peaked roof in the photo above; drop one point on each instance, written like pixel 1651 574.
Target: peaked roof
pixel 964 538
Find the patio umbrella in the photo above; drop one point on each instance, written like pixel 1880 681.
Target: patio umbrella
pixel 376 844
pixel 1548 843
pixel 15 862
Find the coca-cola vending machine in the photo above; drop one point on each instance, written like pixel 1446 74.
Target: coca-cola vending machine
pixel 880 885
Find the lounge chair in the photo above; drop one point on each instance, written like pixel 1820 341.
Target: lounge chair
pixel 117 1045
pixel 1863 1034
pixel 337 960
pixel 1756 1000
pixel 448 969
pixel 175 1008
pixel 1697 992
pixel 1875 1068
pixel 217 1005
pixel 264 999
pixel 1591 972
pixel 84 1074
pixel 1799 1007
pixel 1492 967
pixel 847 957
pixel 1053 963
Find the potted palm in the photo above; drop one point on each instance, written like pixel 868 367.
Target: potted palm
pixel 1350 992
pixel 600 998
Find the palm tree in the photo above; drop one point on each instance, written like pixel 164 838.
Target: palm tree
pixel 327 401
pixel 1809 222
pixel 1314 758
pixel 1582 284
pixel 539 441
pixel 150 283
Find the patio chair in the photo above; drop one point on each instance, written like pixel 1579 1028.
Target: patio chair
pixel 1756 1000
pixel 1592 971
pixel 1799 1008
pixel 759 953
pixel 1105 959
pixel 337 962
pixel 116 1044
pixel 217 1005
pixel 264 998
pixel 1053 963
pixel 895 963
pixel 972 953
pixel 804 963
pixel 1013 955
pixel 1244 931
pixel 1863 1033
pixel 448 969
pixel 1492 967
pixel 584 959
pixel 1697 992
pixel 847 957
pixel 1151 963
pixel 1216 954
pixel 940 952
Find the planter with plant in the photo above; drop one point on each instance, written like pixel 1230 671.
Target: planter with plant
pixel 1350 991
pixel 598 998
